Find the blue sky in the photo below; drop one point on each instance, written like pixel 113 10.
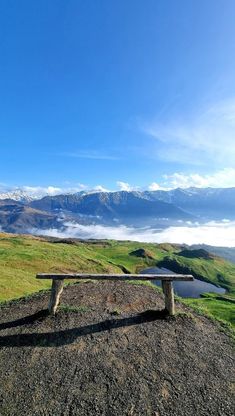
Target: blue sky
pixel 118 94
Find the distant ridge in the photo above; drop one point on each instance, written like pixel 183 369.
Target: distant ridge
pixel 16 217
pixel 112 205
pixel 197 201
pixel 131 208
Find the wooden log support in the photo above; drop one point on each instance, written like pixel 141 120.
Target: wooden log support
pixel 58 280
pixel 168 291
pixel 56 290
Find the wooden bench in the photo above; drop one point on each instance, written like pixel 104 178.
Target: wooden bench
pixel 166 279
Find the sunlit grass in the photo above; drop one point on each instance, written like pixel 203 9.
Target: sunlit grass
pixel 22 257
pixel 217 306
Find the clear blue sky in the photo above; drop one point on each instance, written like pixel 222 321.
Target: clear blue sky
pixel 100 91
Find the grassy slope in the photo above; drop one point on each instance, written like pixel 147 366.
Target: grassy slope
pixel 22 257
pixel 215 270
pixel 219 307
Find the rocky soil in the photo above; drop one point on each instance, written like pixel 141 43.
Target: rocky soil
pixel 110 351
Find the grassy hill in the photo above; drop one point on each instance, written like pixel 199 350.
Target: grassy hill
pixel 21 257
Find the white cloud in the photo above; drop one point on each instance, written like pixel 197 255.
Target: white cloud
pixel 124 186
pixel 221 179
pixel 35 191
pixel 155 187
pixel 39 191
pixel 100 188
pixel 207 136
pixel 212 233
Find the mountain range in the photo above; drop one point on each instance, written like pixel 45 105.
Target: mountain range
pixel 205 203
pixel 20 213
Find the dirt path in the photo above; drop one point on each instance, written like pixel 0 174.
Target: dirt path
pixel 113 358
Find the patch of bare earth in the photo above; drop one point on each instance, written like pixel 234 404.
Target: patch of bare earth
pixel 114 356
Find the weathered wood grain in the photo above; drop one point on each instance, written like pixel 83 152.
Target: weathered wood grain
pixel 168 291
pixel 56 290
pixel 184 277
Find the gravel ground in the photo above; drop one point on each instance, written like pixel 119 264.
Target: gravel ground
pixel 116 355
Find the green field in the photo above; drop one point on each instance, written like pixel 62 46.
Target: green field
pixel 219 307
pixel 21 257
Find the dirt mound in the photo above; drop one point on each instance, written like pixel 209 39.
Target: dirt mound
pixel 142 252
pixel 108 353
pixel 197 253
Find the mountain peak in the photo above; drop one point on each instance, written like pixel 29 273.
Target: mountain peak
pixel 17 195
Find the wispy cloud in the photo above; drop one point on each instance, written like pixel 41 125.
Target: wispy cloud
pixel 212 233
pixel 90 154
pixel 206 136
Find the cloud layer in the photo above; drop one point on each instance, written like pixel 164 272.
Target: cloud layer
pixel 211 233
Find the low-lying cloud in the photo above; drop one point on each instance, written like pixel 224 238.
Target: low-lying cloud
pixel 212 233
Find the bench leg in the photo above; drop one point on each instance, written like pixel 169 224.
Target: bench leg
pixel 56 290
pixel 168 291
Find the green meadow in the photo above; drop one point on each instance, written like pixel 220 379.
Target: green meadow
pixel 21 257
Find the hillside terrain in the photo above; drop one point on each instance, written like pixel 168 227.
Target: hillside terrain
pixel 110 351
pixel 227 253
pixel 16 217
pixel 21 257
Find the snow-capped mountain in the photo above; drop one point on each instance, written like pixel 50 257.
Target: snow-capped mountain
pixel 17 195
pixel 19 208
pixel 207 203
pixel 28 194
pixel 126 207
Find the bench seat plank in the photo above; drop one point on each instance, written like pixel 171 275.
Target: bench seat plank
pixel 167 277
